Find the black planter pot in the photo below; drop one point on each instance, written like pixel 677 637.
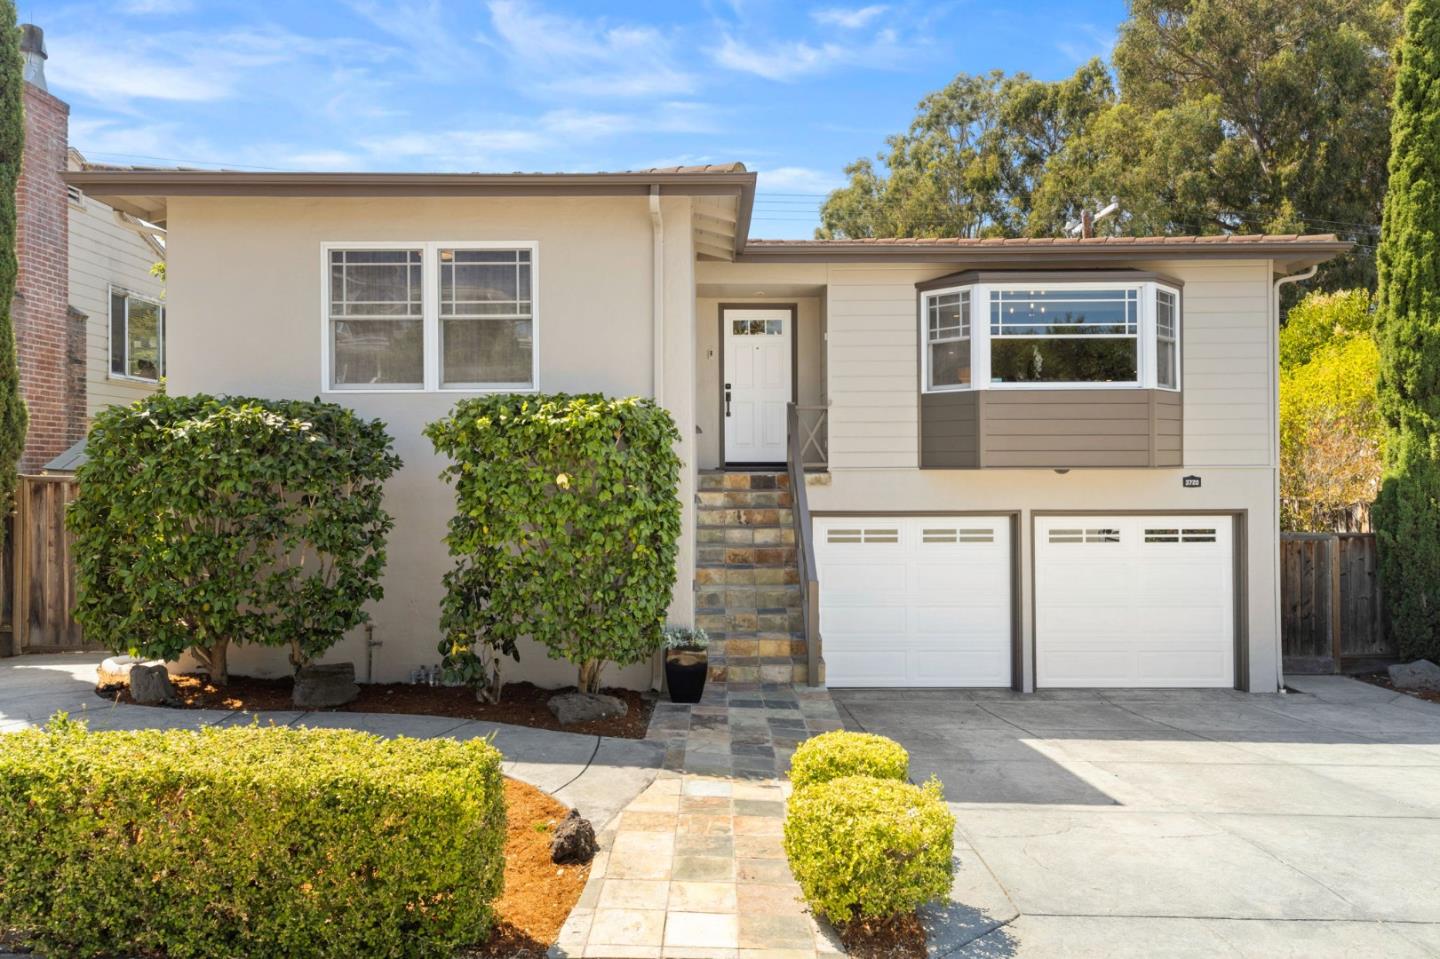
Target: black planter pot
pixel 685 675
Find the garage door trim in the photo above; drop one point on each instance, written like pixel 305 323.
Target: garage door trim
pixel 1017 643
pixel 1239 565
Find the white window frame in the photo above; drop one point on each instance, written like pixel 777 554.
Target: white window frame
pixel 112 291
pixel 980 308
pixel 968 295
pixel 430 313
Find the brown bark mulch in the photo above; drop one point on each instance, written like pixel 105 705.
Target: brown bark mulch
pixel 521 704
pixel 538 894
pixel 901 938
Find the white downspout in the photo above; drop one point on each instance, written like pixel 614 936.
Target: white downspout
pixel 1275 438
pixel 657 294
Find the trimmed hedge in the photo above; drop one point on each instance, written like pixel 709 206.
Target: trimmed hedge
pixel 839 753
pixel 248 842
pixel 866 848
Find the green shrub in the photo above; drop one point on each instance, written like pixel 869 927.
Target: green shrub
pixel 567 516
pixel 867 848
pixel 835 754
pixel 203 521
pixel 248 842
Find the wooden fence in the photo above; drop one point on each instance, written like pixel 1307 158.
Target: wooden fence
pixel 39 571
pixel 1332 613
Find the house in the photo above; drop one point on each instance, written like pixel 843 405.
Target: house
pixel 89 316
pixel 1028 463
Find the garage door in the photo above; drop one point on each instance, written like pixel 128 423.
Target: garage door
pixel 915 601
pixel 1134 601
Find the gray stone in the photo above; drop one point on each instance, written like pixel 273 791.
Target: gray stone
pixel 325 686
pixel 574 841
pixel 150 685
pixel 1421 674
pixel 583 707
pixel 114 672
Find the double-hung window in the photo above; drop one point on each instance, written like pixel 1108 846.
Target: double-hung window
pixel 137 336
pixel 431 316
pixel 947 334
pixel 1013 334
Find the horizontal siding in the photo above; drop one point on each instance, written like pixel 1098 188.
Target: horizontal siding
pixel 104 253
pixel 1065 428
pixel 950 436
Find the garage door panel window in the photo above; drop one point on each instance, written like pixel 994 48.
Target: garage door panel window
pixel 1084 535
pixel 858 535
pixel 982 535
pixel 1048 334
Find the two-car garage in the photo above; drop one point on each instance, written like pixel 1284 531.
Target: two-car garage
pixel 1119 600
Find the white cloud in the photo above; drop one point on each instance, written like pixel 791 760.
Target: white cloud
pixel 796 179
pixel 156 7
pixel 592 58
pixel 108 72
pixel 1089 41
pixel 850 18
pixel 791 60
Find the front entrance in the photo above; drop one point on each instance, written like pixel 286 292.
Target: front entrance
pixel 758 383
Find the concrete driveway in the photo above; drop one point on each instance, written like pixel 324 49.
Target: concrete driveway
pixel 1180 822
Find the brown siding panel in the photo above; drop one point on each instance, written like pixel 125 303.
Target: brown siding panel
pixel 1054 429
pixel 949 431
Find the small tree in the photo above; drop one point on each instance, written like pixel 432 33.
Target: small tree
pixel 13 417
pixel 566 524
pixel 1407 513
pixel 205 521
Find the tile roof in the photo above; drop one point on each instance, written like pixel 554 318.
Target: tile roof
pixel 1048 241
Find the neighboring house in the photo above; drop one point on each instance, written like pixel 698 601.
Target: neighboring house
pixel 84 291
pixel 1034 462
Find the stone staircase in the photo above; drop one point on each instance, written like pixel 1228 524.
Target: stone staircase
pixel 747 583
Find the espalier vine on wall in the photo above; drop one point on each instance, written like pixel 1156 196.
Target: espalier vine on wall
pixel 567 516
pixel 1407 512
pixel 13 418
pixel 203 521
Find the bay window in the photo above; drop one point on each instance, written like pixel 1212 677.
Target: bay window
pixel 431 316
pixel 1051 334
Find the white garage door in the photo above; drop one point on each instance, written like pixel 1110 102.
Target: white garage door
pixel 915 601
pixel 1134 601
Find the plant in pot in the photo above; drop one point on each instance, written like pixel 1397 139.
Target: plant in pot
pixel 685 663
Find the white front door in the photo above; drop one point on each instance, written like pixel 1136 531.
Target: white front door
pixel 915 601
pixel 757 384
pixel 1134 601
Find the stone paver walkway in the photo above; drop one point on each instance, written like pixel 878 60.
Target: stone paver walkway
pixel 693 868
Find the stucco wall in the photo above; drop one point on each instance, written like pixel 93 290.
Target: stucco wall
pixel 245 303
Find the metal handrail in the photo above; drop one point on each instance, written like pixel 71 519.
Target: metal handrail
pixel 804 545
pixel 816 437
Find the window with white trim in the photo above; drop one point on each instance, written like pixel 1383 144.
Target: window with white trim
pixel 1121 334
pixel 431 316
pixel 137 336
pixel 947 335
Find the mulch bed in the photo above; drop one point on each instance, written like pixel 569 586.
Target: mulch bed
pixel 902 938
pixel 1382 679
pixel 521 704
pixel 538 894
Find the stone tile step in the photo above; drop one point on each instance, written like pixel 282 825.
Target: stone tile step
pixel 751 621
pixel 736 517
pixel 745 555
pixel 743 499
pixel 745 535
pixel 744 480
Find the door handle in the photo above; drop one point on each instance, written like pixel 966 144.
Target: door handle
pixel 727 400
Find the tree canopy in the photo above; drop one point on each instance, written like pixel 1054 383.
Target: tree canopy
pixel 1242 116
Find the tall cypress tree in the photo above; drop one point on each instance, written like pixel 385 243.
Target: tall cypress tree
pixel 1407 512
pixel 12 142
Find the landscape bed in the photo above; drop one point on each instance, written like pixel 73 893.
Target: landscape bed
pixel 521 704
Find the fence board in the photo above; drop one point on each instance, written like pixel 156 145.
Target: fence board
pixel 1332 608
pixel 42 589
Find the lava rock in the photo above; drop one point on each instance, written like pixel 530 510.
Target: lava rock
pixel 583 707
pixel 574 841
pixel 114 672
pixel 150 685
pixel 1421 674
pixel 325 686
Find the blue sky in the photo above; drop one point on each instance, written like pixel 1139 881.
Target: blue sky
pixel 794 90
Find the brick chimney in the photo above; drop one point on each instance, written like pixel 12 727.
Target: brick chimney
pixel 43 337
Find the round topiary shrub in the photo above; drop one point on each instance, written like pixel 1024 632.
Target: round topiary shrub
pixel 835 754
pixel 865 848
